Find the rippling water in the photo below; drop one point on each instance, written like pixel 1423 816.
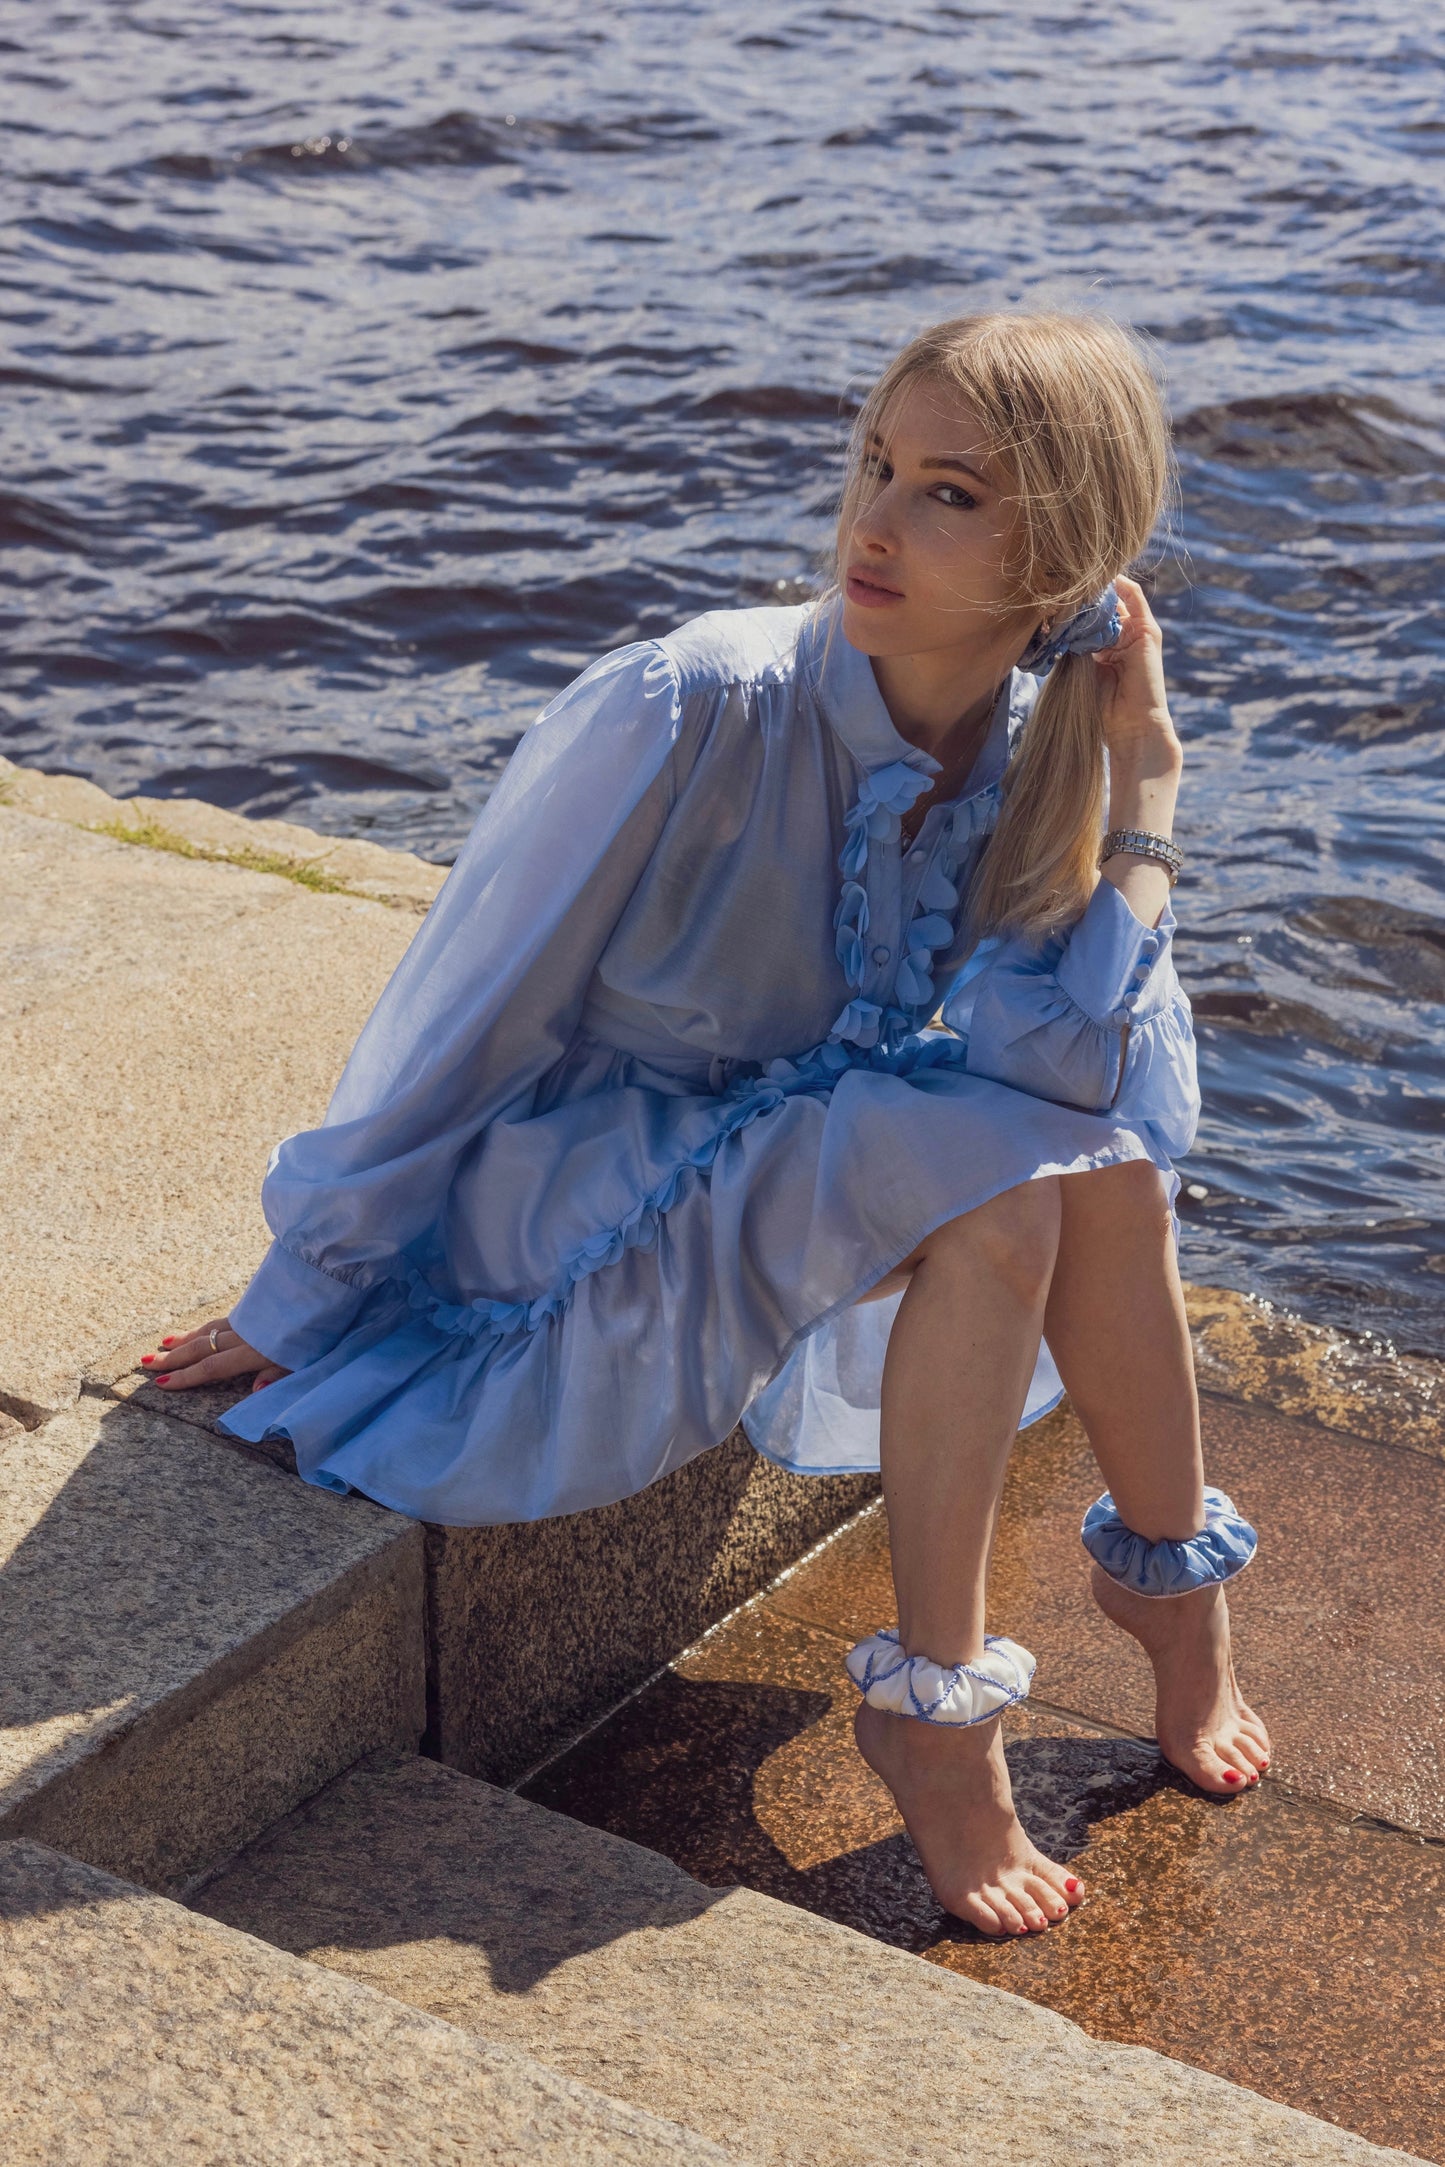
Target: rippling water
pixel 371 368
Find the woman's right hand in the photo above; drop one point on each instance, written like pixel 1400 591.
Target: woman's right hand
pixel 194 1358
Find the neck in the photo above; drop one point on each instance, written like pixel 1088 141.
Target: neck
pixel 941 699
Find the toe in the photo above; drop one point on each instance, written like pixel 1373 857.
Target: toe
pixel 1212 1770
pixel 982 1915
pixel 1252 1727
pixel 1245 1753
pixel 1029 1909
pixel 1059 1883
pixel 1047 1898
pixel 1010 1921
pixel 1218 1771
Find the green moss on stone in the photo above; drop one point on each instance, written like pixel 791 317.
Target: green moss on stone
pixel 151 835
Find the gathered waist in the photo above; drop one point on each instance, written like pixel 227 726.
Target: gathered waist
pixel 596 1061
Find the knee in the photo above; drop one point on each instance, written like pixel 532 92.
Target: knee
pixel 1134 1194
pixel 1014 1237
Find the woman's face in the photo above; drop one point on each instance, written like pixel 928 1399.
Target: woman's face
pixel 923 569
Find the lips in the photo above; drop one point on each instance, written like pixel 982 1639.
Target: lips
pixel 867 588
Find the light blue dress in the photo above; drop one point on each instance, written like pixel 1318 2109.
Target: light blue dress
pixel 653 1097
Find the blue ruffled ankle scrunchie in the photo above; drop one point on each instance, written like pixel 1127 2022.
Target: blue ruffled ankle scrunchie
pixel 1223 1547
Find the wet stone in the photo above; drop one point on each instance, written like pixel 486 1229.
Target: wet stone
pixel 1268 1939
pixel 1339 1623
pixel 1346 1381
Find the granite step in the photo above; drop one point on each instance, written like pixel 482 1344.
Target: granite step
pixel 191 1641
pixel 139 1100
pixel 1288 1941
pixel 134 2032
pixel 136 1118
pixel 781 2036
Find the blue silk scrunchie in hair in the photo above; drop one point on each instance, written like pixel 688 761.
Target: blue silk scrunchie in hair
pixel 1097 625
pixel 1223 1547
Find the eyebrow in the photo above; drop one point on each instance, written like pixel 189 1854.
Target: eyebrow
pixel 951 460
pixel 960 466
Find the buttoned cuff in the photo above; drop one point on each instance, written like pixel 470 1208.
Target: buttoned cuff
pixel 1113 963
pixel 293 1313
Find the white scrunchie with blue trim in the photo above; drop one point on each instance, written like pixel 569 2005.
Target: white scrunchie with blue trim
pixel 1223 1547
pixel 958 1693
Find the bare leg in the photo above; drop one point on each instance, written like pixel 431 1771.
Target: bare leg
pixel 1116 1327
pixel 960 1355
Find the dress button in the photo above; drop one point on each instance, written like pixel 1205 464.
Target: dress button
pixel 881 955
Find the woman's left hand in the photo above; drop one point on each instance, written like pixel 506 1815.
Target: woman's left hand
pixel 1137 723
pixel 211 1354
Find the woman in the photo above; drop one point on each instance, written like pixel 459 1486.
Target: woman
pixel 654 1130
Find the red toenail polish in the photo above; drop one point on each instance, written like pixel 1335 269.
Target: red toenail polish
pixel 1071 1884
pixel 164 1380
pixel 1231 1775
pixel 146 1360
pixel 169 1342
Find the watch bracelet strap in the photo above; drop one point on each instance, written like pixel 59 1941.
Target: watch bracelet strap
pixel 1142 843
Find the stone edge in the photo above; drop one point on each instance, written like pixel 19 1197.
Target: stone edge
pixel 190 828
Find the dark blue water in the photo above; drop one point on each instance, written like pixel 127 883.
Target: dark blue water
pixel 370 368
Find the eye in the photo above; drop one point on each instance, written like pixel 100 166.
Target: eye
pixel 955 497
pixel 876 467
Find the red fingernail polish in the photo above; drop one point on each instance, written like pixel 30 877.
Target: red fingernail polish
pixel 1231 1775
pixel 1071 1884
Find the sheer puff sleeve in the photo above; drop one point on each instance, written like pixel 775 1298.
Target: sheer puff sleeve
pixel 1092 1017
pixel 483 1003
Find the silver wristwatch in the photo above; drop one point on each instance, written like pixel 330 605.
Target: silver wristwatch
pixel 1142 844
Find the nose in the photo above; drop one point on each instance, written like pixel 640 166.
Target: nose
pixel 873 529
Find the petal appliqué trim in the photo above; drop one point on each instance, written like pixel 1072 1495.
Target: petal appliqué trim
pixel 884 796
pixel 747 1099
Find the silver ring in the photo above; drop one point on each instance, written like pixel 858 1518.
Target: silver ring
pixel 211 1335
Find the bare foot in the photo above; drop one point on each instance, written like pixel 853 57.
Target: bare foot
pixel 1204 1725
pixel 951 1786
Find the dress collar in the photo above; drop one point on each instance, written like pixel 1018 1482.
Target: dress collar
pixel 847 691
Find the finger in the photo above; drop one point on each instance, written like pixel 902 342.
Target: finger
pixel 182 1346
pixel 1137 603
pixel 237 1361
pixel 270 1375
pixel 191 1348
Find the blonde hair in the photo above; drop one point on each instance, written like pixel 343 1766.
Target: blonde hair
pixel 1075 423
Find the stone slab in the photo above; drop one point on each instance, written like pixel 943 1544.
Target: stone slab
pixel 1339 1624
pixel 163 1021
pixel 1266 1939
pixel 1347 1381
pixel 135 2034
pixel 780 2035
pixel 190 1641
pixel 186 826
pixel 537 1630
